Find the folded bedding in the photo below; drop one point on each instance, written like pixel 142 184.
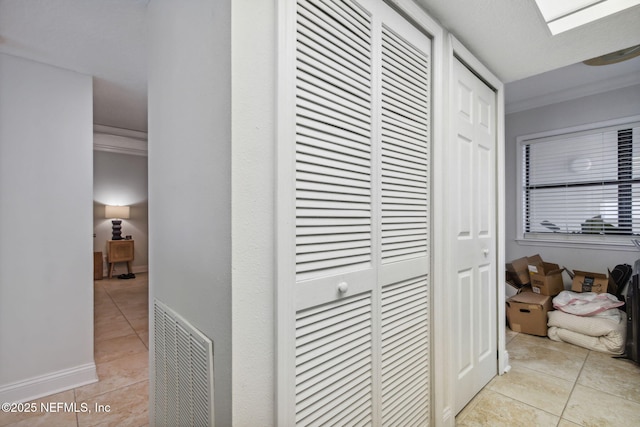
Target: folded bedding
pixel 605 332
pixel 586 303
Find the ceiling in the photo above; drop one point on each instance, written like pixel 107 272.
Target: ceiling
pixel 102 38
pixel 106 39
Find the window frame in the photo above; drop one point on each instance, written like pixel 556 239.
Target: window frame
pixel 606 241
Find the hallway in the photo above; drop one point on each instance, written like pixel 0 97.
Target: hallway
pixel 121 339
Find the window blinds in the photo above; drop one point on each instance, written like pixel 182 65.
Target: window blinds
pixel 583 184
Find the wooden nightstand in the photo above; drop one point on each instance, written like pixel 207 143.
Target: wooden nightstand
pixel 119 251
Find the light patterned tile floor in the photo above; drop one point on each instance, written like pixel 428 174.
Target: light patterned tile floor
pixel 550 383
pixel 557 384
pixel 122 359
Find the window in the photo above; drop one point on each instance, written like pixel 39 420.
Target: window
pixel 582 185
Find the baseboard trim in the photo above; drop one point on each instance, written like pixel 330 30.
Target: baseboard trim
pixel 48 384
pixel 448 418
pixel 140 268
pixel 136 269
pixel 505 362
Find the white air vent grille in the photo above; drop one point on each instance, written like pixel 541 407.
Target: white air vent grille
pixel 405 353
pixel 334 363
pixel 183 389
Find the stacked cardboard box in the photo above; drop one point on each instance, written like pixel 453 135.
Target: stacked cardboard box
pixel 591 282
pixel 518 272
pixel 545 278
pixel 527 313
pixel 537 282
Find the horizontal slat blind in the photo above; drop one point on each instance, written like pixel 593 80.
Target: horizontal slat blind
pixel 583 184
pixel 405 353
pixel 333 138
pixel 334 363
pixel 405 153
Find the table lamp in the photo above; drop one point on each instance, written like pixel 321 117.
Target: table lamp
pixel 116 214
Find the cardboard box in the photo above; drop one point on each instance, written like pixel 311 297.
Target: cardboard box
pixel 589 282
pixel 546 277
pixel 527 313
pixel 518 271
pixel 512 289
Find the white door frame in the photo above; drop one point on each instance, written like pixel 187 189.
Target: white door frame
pixel 444 381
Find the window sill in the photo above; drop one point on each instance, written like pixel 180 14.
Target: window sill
pixel 605 243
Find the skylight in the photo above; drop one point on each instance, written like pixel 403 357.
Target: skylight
pixel 565 15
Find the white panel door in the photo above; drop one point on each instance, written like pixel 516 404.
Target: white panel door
pixel 353 335
pixel 473 208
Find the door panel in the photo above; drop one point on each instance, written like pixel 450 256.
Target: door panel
pixel 486 328
pixel 333 144
pixel 334 357
pixel 464 316
pixel 405 352
pixel 404 150
pixel 474 240
pixel 465 192
pixel 360 292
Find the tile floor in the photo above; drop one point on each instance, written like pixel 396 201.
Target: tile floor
pixel 557 384
pixel 121 341
pixel 550 383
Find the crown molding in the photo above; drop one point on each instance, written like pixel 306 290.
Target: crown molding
pixel 580 91
pixel 117 140
pixel 112 130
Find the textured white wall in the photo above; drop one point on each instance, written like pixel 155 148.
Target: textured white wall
pixel 253 178
pixel 46 262
pixel 190 173
pixel 605 106
pixel 121 179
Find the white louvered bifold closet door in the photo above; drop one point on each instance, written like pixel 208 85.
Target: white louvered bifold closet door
pixel 359 295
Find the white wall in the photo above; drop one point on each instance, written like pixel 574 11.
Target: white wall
pixel 121 179
pixel 604 106
pixel 253 194
pixel 190 173
pixel 46 273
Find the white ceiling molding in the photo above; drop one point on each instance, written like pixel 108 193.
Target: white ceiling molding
pixel 561 16
pixel 117 140
pixel 573 93
pixel 134 134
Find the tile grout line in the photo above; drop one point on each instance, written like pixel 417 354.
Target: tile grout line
pixel 609 393
pixel 526 404
pixel 90 397
pixel 560 417
pixel 125 317
pixel 575 383
pixel 106 290
pixel 75 399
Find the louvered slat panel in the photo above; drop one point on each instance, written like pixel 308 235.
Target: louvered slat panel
pixel 405 353
pixel 334 361
pixel 405 153
pixel 333 138
pixel 161 393
pixel 183 385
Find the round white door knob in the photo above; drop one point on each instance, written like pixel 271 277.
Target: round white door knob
pixel 485 252
pixel 343 287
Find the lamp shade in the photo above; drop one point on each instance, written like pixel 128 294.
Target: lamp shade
pixel 121 212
